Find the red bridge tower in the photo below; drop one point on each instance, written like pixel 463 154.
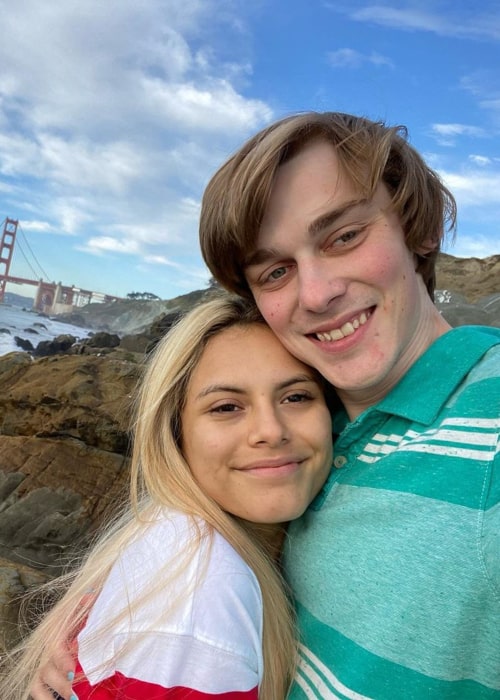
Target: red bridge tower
pixel 6 252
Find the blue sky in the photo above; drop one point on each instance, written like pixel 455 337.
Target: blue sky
pixel 114 114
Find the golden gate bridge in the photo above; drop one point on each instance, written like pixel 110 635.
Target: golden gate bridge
pixel 51 297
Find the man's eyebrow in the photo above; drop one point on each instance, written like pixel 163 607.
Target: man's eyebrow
pixel 262 255
pixel 259 256
pixel 332 216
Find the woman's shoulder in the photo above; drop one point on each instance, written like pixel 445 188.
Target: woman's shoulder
pixel 183 553
pixel 178 592
pixel 179 579
pixel 173 533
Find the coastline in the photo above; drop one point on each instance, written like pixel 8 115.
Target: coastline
pixel 17 321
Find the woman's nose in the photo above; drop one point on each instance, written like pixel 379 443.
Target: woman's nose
pixel 268 428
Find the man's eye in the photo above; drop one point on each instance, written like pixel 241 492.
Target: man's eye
pixel 344 238
pixel 277 273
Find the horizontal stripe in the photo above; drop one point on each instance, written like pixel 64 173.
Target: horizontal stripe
pixel 119 686
pixel 489 439
pixel 449 450
pixel 423 535
pixel 486 423
pixel 458 482
pixel 373 676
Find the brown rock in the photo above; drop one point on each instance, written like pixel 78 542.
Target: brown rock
pixel 53 493
pixel 85 397
pixel 64 439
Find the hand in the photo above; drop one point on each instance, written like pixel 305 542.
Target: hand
pixel 54 678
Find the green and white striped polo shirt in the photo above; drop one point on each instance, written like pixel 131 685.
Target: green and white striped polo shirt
pixel 396 564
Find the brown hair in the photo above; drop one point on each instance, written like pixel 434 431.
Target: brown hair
pixel 369 152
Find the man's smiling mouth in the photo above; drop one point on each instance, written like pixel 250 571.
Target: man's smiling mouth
pixel 345 329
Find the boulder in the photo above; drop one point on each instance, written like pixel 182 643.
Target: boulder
pixel 102 339
pixel 23 344
pixel 60 344
pixel 138 343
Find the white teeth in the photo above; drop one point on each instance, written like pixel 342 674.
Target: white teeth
pixel 347 329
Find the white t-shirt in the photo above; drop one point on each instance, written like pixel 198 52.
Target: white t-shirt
pixel 209 644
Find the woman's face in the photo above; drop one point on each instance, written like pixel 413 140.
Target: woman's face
pixel 256 431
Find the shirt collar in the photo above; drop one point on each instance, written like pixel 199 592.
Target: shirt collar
pixel 419 396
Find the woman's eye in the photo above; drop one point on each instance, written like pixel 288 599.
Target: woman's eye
pixel 298 398
pixel 225 408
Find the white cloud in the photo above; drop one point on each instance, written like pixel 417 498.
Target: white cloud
pixel 106 244
pixel 450 22
pixel 457 129
pixel 479 246
pixel 161 260
pixel 480 160
pixel 350 58
pixel 113 116
pixel 42 226
pixel 474 187
pixel 446 134
pixel 217 107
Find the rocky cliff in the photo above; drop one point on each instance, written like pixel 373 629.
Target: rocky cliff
pixel 63 462
pixel 64 425
pixel 473 278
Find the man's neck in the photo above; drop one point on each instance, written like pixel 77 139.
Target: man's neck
pixel 357 401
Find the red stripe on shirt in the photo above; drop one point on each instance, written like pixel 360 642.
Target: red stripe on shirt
pixel 120 687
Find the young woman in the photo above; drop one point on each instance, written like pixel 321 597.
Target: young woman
pixel 232 439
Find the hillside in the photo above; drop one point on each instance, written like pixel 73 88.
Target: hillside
pixel 475 278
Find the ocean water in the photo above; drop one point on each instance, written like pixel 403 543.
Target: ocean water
pixel 31 326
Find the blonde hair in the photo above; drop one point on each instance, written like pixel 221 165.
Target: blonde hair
pixel 160 477
pixel 369 152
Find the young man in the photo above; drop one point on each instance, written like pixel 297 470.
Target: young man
pixel 333 223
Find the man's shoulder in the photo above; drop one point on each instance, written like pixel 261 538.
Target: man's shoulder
pixel 484 373
pixel 481 337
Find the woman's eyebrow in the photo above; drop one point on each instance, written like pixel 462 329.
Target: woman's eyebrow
pixel 299 379
pixel 232 389
pixel 213 388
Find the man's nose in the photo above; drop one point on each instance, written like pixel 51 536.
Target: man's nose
pixel 320 281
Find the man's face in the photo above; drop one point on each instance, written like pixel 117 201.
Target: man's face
pixel 334 279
